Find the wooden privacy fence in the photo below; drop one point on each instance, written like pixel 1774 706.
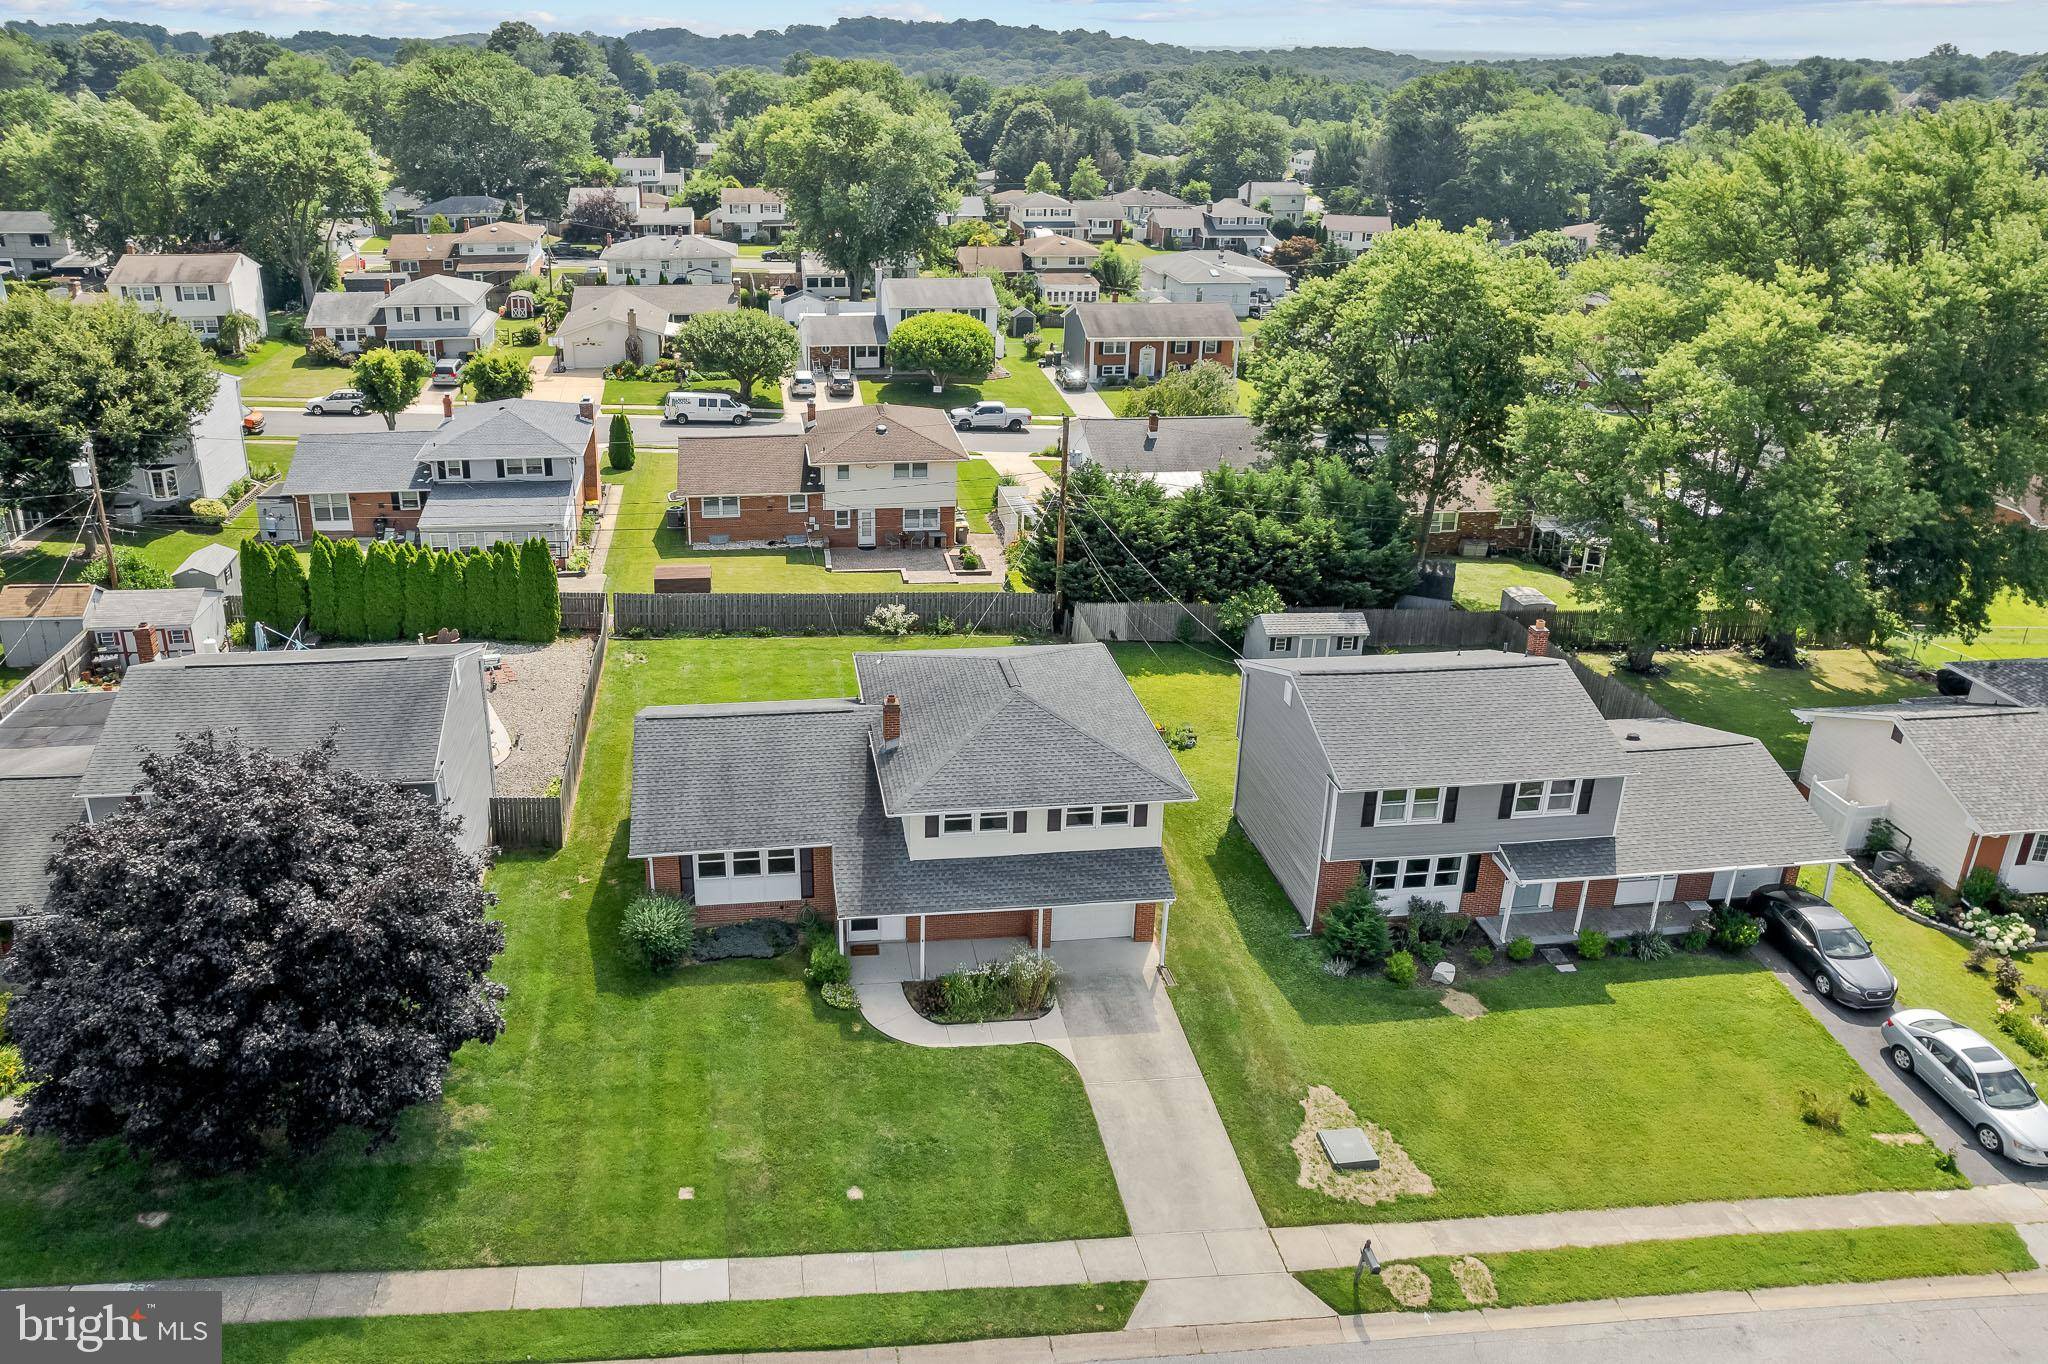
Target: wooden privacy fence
pixel 543 821
pixel 1616 700
pixel 1159 622
pixel 58 672
pixel 1576 629
pixel 582 611
pixel 842 612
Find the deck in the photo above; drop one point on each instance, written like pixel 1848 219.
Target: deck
pixel 1556 927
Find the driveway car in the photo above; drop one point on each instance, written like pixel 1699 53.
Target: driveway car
pixel 1975 1079
pixel 347 400
pixel 698 405
pixel 990 417
pixel 1824 946
pixel 803 384
pixel 1072 378
pixel 447 373
pixel 252 422
pixel 840 384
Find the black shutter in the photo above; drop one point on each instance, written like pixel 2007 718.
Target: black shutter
pixel 1585 797
pixel 1507 800
pixel 1471 873
pixel 931 826
pixel 807 872
pixel 2026 849
pixel 1052 821
pixel 1367 810
pixel 1451 806
pixel 1141 815
pixel 1020 822
pixel 686 870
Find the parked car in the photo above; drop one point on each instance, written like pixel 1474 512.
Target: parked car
pixel 1072 378
pixel 803 384
pixel 347 400
pixel 1823 945
pixel 990 417
pixel 688 405
pixel 252 422
pixel 447 373
pixel 840 384
pixel 1975 1079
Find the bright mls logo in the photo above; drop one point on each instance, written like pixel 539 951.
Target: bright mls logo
pixel 161 1328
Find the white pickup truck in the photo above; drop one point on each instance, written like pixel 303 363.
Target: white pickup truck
pixel 990 417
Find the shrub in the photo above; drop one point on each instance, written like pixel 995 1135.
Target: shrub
pixel 2003 933
pixel 619 445
pixel 748 938
pixel 839 995
pixel 136 571
pixel 1981 886
pixel 1425 920
pixel 1979 959
pixel 1816 1112
pixel 1031 977
pixel 1179 737
pixel 970 558
pixel 1925 907
pixel 2006 977
pixel 321 351
pixel 289 328
pixel 1427 955
pixel 1734 929
pixel 1648 946
pixel 1355 928
pixel 1592 944
pixel 1618 946
pixel 10 1069
pixel 208 511
pixel 972 996
pixel 524 334
pixel 2011 1021
pixel 1860 1097
pixel 1905 882
pixel 893 619
pixel 1401 968
pixel 1482 955
pixel 1695 939
pixel 1521 948
pixel 827 965
pixel 2032 908
pixel 660 929
pixel 1235 612
pixel 1945 1161
pixel 1881 838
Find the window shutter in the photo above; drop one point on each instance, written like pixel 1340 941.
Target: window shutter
pixel 1052 821
pixel 1471 873
pixel 1586 797
pixel 806 872
pixel 1141 815
pixel 931 826
pixel 1367 810
pixel 1451 806
pixel 1020 822
pixel 1507 800
pixel 686 871
pixel 2026 848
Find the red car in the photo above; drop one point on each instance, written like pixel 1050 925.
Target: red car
pixel 252 422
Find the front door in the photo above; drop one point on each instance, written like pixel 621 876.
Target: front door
pixel 866 536
pixel 1145 361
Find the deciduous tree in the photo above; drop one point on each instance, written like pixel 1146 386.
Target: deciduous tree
pixel 496 375
pixel 747 345
pixel 951 348
pixel 391 380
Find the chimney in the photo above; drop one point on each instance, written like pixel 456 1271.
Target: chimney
pixel 1152 422
pixel 892 721
pixel 447 405
pixel 586 408
pixel 145 643
pixel 810 411
pixel 387 286
pixel 1539 641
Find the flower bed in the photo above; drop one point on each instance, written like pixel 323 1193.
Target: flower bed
pixel 1018 988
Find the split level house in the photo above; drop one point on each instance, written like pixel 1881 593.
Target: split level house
pixel 207 460
pixel 642 213
pixel 197 289
pixel 1281 198
pixel 1009 793
pixel 668 260
pixel 1489 784
pixel 493 252
pixel 1120 341
pixel 439 314
pixel 1230 277
pixel 1348 234
pixel 1962 777
pixel 1032 210
pixel 610 323
pixel 492 471
pixel 1226 225
pixel 835 333
pixel 855 478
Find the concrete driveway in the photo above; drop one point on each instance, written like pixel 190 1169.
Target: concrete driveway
pixel 1857 1031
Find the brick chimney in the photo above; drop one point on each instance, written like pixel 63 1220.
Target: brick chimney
pixel 145 643
pixel 892 721
pixel 810 413
pixel 586 409
pixel 1539 640
pixel 387 286
pixel 1152 423
pixel 447 405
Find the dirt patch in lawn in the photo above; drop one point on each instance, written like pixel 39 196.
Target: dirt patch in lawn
pixel 1398 1176
pixel 1463 1005
pixel 1407 1285
pixel 1899 1138
pixel 1475 1281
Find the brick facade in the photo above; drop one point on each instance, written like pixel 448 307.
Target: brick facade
pixel 1145 922
pixel 1695 885
pixel 1480 525
pixel 1600 894
pixel 1484 898
pixel 769 519
pixel 1007 923
pixel 1162 355
pixel 1333 883
pixel 363 511
pixel 1568 894
pixel 666 876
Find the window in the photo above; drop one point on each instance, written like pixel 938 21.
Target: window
pixel 408 501
pixel 1114 347
pixel 710 866
pixel 178 636
pixel 1347 644
pixel 2037 848
pixel 163 484
pixel 921 518
pixel 1080 817
pixel 797 502
pixel 843 472
pixel 1181 347
pixel 1211 347
pixel 720 508
pixel 913 470
pixel 329 509
pixel 526 466
pixel 194 293
pixel 1281 644
pixel 1418 873
pixel 746 863
pixel 1443 521
pixel 994 822
pixel 842 519
pixel 456 469
pixel 1559 797
pixel 1116 814
pixel 956 824
pixel 1411 805
pixel 147 293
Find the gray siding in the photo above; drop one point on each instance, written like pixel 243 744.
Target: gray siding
pixel 1282 787
pixel 33 641
pixel 1479 826
pixel 465 755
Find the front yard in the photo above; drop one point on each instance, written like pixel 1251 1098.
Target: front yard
pixel 1026 387
pixel 275 371
pixel 611 1090
pixel 1625 1083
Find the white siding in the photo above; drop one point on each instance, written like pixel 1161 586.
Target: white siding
pixel 876 485
pixel 1872 770
pixel 1037 838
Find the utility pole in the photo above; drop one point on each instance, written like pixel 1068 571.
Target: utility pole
pixel 99 511
pixel 1059 551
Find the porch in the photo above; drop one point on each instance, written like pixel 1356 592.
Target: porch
pixel 1561 927
pixel 895 962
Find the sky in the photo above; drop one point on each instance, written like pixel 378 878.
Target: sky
pixel 1706 28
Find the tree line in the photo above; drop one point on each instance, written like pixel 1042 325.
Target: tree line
pixel 394 591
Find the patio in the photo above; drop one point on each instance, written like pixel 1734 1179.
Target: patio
pixel 917 565
pixel 1561 927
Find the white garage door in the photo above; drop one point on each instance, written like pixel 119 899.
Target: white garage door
pixel 1092 921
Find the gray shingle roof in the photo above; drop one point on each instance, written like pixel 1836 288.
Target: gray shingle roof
pixel 1000 728
pixel 28 221
pixel 970 291
pixel 1181 445
pixel 887 881
pixel 429 290
pixel 52 735
pixel 692 247
pixel 1187 218
pixel 157 606
pixel 462 206
pixel 211 558
pixel 1699 799
pixel 517 426
pixel 655 303
pixel 212 267
pixel 1315 623
pixel 344 308
pixel 44 744
pixel 496 502
pixel 843 329
pixel 1374 223
pixel 2025 680
pixel 384 706
pixel 1991 758
pixel 1451 719
pixel 1143 321
pixel 357 462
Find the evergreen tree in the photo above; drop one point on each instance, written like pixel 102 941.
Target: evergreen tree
pixel 540 595
pixel 256 569
pixel 349 586
pixel 505 592
pixel 383 593
pixel 479 593
pixel 621 442
pixel 448 605
pixel 320 588
pixel 288 595
pixel 420 587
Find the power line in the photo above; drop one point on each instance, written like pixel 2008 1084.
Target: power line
pixel 1171 596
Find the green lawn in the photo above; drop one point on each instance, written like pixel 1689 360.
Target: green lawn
pixel 1929 964
pixel 1706 1264
pixel 645 538
pixel 1734 691
pixel 1480 582
pixel 651 392
pixel 1622 1084
pixel 10 678
pixel 978 483
pixel 728 1328
pixel 2018 629
pixel 568 1139
pixel 1049 467
pixel 1026 387
pixel 374 244
pixel 275 371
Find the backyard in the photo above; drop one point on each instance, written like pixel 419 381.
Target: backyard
pixel 569 1138
pixel 1567 1093
pixel 1481 581
pixel 2018 629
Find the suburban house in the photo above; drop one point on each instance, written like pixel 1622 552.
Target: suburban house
pixel 1031 211
pixel 45 743
pixel 1307 634
pixel 1959 775
pixel 975 260
pixel 1348 234
pixel 1100 220
pixel 972 208
pixel 30 244
pixel 1175 228
pixel 439 314
pixel 198 290
pixel 38 620
pixel 641 172
pixel 205 462
pixel 1489 784
pixel 668 260
pixel 1473 520
pixel 649 213
pixel 1226 225
pixel 490 472
pixel 610 323
pixel 1213 277
pixel 414 716
pixel 1118 341
pixel 1139 204
pixel 1584 237
pixel 750 215
pixel 1301 163
pixel 1069 287
pixel 1054 251
pixel 494 252
pixel 834 334
pixel 970 296
pixel 814 275
pixel 461 211
pixel 1005 793
pixel 856 478
pixel 139 625
pixel 1281 198
pixel 1173 452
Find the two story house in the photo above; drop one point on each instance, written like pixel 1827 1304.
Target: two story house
pixel 1213 277
pixel 750 215
pixel 857 477
pixel 641 172
pixel 1226 225
pixel 440 314
pixel 1139 204
pixel 198 290
pixel 1120 341
pixel 669 260
pixel 1007 793
pixel 1030 211
pixel 461 212
pixel 972 296
pixel 504 471
pixel 208 460
pixel 493 252
pixel 1055 252
pixel 1282 198
pixel 1490 785
pixel 1348 234
pixel 645 213
pixel 1100 220
pixel 30 245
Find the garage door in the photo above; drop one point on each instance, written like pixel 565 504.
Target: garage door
pixel 1092 921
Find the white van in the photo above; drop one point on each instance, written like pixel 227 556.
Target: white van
pixel 686 406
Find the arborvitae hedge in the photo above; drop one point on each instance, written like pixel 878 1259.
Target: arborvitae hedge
pixel 479 593
pixel 350 590
pixel 383 593
pixel 505 597
pixel 256 571
pixel 288 589
pixel 320 587
pixel 540 596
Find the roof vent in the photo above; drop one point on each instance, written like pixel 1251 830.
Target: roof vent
pixel 1633 737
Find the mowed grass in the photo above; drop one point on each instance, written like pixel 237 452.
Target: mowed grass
pixel 867 1320
pixel 645 537
pixel 568 1139
pixel 1730 690
pixel 1626 1083
pixel 1481 581
pixel 1025 386
pixel 1706 1264
pixel 275 370
pixel 2018 629
pixel 978 483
